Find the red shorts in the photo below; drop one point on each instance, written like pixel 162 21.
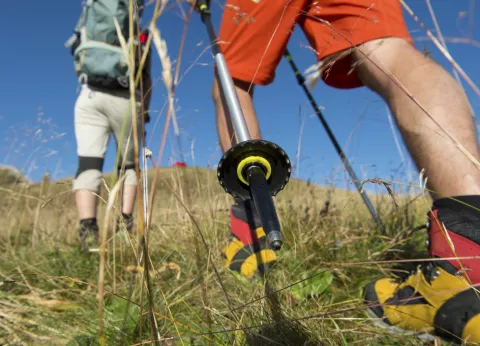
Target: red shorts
pixel 254 33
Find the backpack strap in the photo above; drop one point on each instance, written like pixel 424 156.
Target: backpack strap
pixel 74 41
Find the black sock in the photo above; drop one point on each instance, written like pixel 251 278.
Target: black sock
pixel 127 216
pixel 461 215
pixel 89 222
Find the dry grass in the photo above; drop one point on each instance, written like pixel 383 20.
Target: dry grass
pixel 49 290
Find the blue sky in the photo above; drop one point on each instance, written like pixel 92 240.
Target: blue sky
pixel 39 89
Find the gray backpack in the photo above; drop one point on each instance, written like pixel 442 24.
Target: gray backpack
pixel 98 57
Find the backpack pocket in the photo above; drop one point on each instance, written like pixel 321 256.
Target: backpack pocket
pixel 102 64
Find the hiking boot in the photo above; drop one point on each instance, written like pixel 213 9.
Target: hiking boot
pixel 247 252
pixel 438 297
pixel 88 234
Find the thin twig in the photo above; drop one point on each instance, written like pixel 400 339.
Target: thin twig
pixel 101 273
pixel 456 40
pixel 207 247
pixel 444 44
pixel 441 48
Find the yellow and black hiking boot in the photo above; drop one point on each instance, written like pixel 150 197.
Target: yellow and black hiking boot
pixel 440 297
pixel 248 252
pixel 88 234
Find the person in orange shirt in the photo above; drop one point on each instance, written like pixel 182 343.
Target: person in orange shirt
pixel 366 43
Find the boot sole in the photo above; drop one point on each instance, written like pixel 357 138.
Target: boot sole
pixel 378 322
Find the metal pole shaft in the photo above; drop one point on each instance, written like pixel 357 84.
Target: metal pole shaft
pixel 145 187
pixel 227 86
pixel 179 144
pixel 351 172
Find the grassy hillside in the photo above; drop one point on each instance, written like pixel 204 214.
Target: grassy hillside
pixel 48 288
pixel 11 176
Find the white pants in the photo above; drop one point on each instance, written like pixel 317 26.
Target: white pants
pixel 98 113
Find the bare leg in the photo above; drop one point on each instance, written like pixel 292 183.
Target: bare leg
pixel 86 202
pixel 224 126
pixel 450 172
pixel 128 199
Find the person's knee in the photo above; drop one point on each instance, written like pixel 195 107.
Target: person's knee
pixel 130 175
pixel 128 169
pixel 89 174
pixel 377 62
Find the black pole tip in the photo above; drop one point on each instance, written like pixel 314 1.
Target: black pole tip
pixel 275 240
pixel 276 245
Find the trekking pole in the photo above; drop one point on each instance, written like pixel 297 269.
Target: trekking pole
pixel 176 130
pixel 145 155
pixel 179 144
pixel 351 172
pixel 251 169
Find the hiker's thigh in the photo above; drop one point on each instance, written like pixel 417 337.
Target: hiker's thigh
pixel 334 27
pixel 120 118
pixel 253 36
pixel 92 133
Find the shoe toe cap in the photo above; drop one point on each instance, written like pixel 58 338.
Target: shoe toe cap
pixel 377 293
